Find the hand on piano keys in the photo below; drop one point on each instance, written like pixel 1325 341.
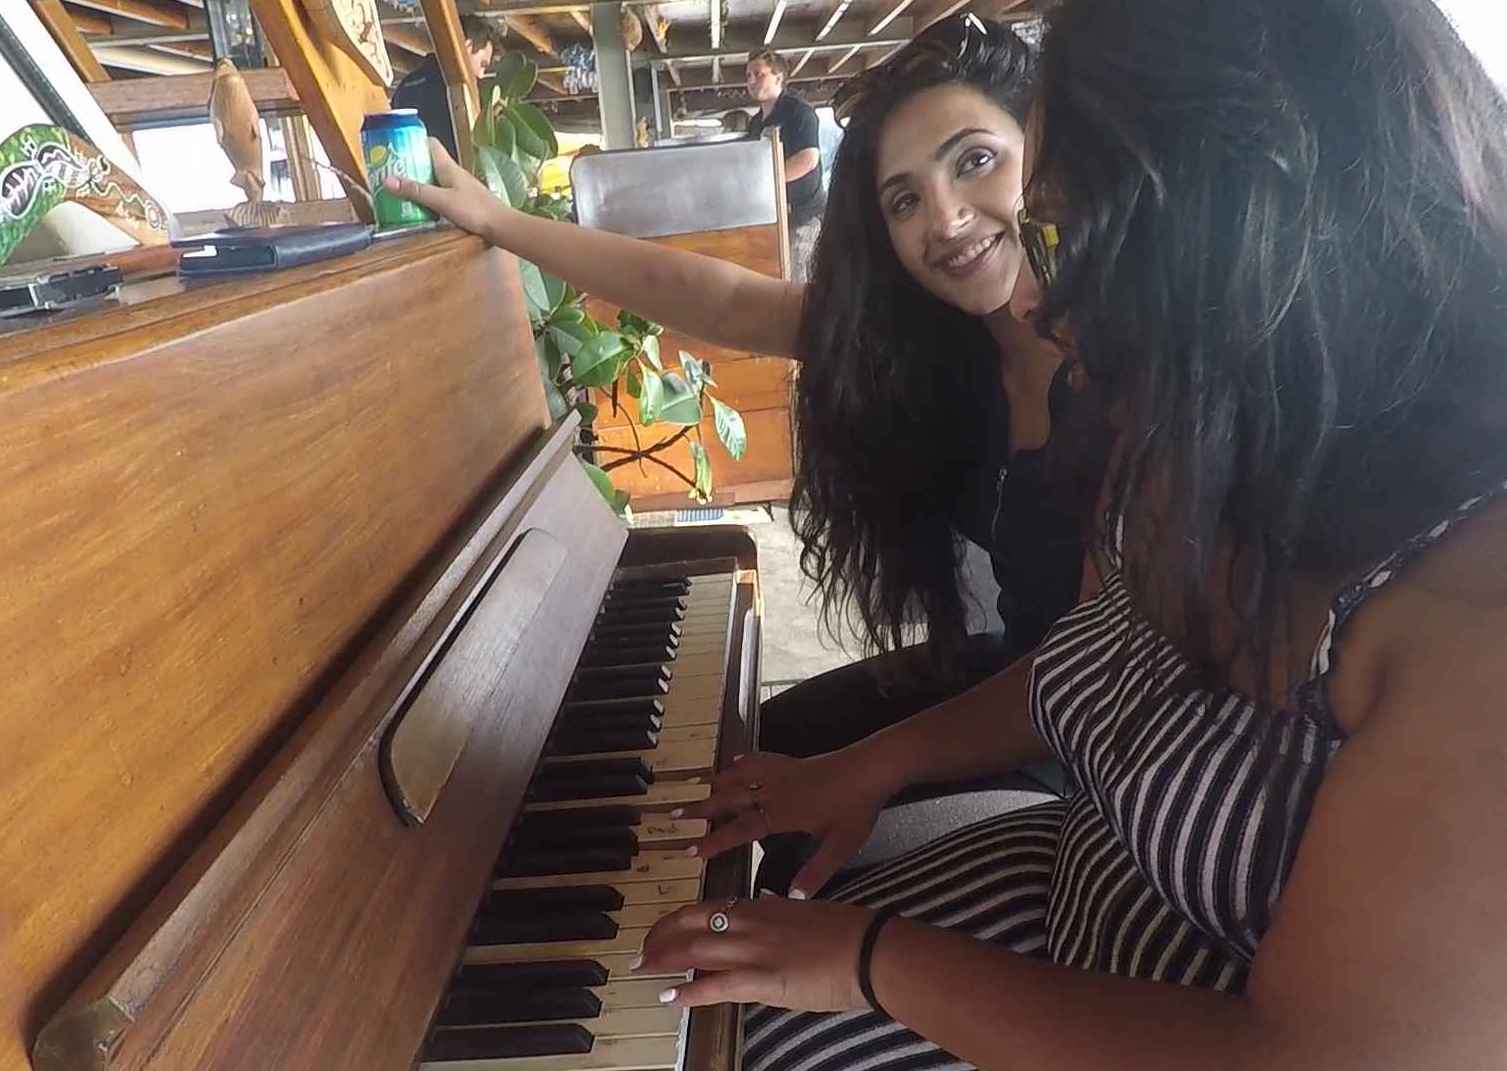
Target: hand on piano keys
pixel 833 797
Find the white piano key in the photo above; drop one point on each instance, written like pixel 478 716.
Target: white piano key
pixel 613 1054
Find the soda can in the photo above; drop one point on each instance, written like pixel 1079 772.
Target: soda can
pixel 396 144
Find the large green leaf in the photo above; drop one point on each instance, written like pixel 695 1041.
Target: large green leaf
pixel 501 174
pixel 651 352
pixel 570 337
pixel 504 139
pixel 510 69
pixel 558 406
pixel 702 491
pixel 523 82
pixel 529 140
pixel 555 288
pixel 588 412
pixel 634 380
pixel 548 353
pixel 618 500
pixel 651 398
pixel 566 312
pixel 599 360
pixel 535 290
pixel 682 405
pixel 730 428
pixel 539 126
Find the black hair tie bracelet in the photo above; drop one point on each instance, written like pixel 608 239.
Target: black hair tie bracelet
pixel 866 957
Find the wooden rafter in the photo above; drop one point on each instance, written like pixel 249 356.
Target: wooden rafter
pixel 533 30
pixel 89 21
pixel 129 101
pixel 659 27
pixel 926 12
pixel 674 72
pixel 839 7
pixel 805 59
pixel 154 12
pixel 455 64
pixel 410 38
pixel 844 58
pixel 61 25
pixel 892 10
pixel 776 13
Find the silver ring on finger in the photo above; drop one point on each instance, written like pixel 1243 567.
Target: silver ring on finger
pixel 721 921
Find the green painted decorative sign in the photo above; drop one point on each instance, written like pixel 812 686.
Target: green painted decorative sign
pixel 42 166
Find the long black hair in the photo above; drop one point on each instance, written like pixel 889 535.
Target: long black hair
pixel 894 394
pixel 1284 257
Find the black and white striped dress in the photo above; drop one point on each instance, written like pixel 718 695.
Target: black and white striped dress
pixel 1166 865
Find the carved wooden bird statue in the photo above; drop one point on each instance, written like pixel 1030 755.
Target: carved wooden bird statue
pixel 633 30
pixel 237 127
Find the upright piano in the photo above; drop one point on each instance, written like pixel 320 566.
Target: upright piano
pixel 342 718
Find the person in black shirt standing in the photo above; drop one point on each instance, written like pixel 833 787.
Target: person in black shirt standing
pixel 424 87
pixel 766 73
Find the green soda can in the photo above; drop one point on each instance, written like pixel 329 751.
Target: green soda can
pixel 396 144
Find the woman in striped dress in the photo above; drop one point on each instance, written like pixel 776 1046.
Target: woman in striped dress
pixel 1277 230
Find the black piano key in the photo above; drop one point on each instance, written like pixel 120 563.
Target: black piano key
pixel 525 903
pixel 620 635
pixel 508 1042
pixel 517 1004
pixel 632 615
pixel 591 743
pixel 526 838
pixel 608 816
pixel 587 721
pixel 563 787
pixel 534 864
pixel 658 585
pixel 626 686
pixel 545 974
pixel 672 602
pixel 634 767
pixel 584 674
pixel 587 708
pixel 564 926
pixel 626 656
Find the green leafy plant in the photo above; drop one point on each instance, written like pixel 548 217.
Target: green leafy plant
pixel 577 354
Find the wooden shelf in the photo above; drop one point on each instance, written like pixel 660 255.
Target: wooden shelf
pixel 175 98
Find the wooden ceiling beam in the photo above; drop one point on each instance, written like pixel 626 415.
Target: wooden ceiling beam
pixel 775 15
pixel 148 61
pixel 927 12
pixel 792 42
pixel 65 32
pixel 674 72
pixel 795 68
pixel 153 12
pixel 413 39
pixel 582 20
pixel 834 13
pixel 891 11
pixel 130 102
pixel 659 27
pixel 836 64
pixel 89 21
pixel 532 30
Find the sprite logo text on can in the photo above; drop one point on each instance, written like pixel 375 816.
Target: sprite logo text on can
pixel 395 144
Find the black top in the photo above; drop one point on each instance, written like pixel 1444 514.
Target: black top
pixel 424 89
pixel 1035 543
pixel 799 129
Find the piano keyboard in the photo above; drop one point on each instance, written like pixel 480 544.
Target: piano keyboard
pixel 594 859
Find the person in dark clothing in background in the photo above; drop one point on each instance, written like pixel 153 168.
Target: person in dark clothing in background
pixel 424 87
pixel 766 73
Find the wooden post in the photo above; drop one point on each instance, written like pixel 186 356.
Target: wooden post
pixel 301 168
pixel 455 64
pixel 60 24
pixel 336 94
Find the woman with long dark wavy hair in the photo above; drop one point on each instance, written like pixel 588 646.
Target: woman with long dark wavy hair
pixel 1277 232
pixel 923 409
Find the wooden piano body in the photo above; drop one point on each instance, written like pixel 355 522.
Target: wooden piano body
pixel 240 521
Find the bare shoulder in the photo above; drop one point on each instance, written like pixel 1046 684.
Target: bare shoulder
pixel 1436 634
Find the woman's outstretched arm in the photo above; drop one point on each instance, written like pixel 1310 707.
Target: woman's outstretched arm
pixel 711 299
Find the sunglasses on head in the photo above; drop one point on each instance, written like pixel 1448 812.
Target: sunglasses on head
pixel 942 47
